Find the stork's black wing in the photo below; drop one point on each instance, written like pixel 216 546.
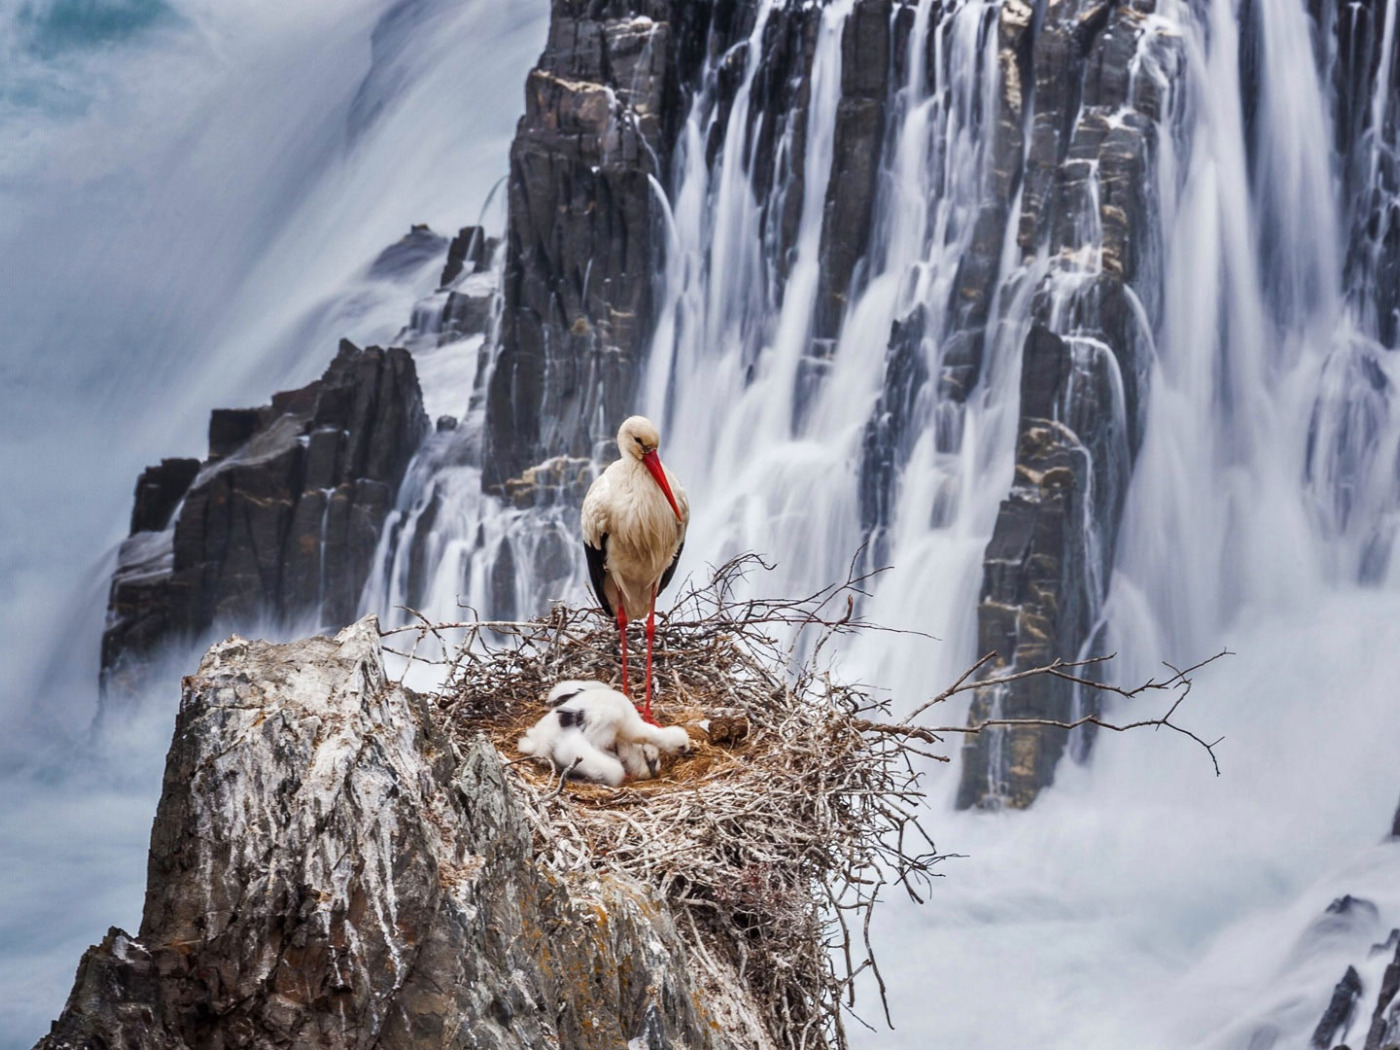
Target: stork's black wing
pixel 670 570
pixel 597 558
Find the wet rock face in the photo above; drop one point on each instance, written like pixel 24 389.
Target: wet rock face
pixel 1354 34
pixel 470 252
pixel 1034 605
pixel 860 126
pixel 591 161
pixel 282 519
pixel 1088 200
pixel 1384 1029
pixel 776 121
pixel 326 871
pixel 890 434
pixel 158 493
pixel 402 260
pixel 581 251
pixel 1337 1017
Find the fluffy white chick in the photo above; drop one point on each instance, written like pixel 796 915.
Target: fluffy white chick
pixel 595 732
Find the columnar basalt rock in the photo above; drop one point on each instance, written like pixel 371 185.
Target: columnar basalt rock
pixel 1363 71
pixel 602 109
pixel 859 139
pixel 890 434
pixel 279 523
pixel 591 162
pixel 1384 1030
pixel 1037 589
pixel 1340 1010
pixel 326 870
pixel 979 270
pixel 1089 205
pixel 776 125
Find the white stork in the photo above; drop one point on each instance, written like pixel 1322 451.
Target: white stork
pixel 634 521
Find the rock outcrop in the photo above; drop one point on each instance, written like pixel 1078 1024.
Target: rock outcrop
pixel 325 870
pixel 866 72
pixel 409 255
pixel 1384 1029
pixel 1363 70
pixel 1345 1019
pixel 470 252
pixel 1336 1019
pixel 1088 200
pixel 590 166
pixel 279 523
pixel 581 247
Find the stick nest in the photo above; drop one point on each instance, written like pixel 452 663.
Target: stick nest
pixel 771 850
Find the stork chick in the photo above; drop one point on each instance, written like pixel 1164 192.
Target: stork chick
pixel 597 733
pixel 634 521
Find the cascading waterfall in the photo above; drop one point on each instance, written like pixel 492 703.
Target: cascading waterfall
pixel 731 328
pixel 1237 359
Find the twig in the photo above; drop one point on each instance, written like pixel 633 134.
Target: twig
pixel 563 776
pixel 1088 720
pixel 1059 669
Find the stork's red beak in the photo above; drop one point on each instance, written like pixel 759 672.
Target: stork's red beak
pixel 653 464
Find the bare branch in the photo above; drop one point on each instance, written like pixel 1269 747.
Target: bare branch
pixel 1088 720
pixel 1059 669
pixel 962 685
pixel 929 736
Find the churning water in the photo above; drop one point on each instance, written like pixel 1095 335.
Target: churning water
pixel 199 247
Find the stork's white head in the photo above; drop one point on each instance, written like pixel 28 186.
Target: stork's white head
pixel 637 436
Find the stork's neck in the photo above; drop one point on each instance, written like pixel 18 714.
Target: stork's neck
pixel 643 494
pixel 637 477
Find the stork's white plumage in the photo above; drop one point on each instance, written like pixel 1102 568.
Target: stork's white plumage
pixel 634 521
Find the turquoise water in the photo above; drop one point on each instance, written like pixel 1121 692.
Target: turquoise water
pixel 52 29
pixel 48 52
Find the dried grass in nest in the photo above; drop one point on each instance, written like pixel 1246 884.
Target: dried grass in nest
pixel 771 852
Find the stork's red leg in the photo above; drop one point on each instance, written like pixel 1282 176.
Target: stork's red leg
pixel 622 630
pixel 651 633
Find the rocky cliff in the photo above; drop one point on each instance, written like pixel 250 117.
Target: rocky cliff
pixel 586 202
pixel 327 870
pixel 278 524
pixel 1089 199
